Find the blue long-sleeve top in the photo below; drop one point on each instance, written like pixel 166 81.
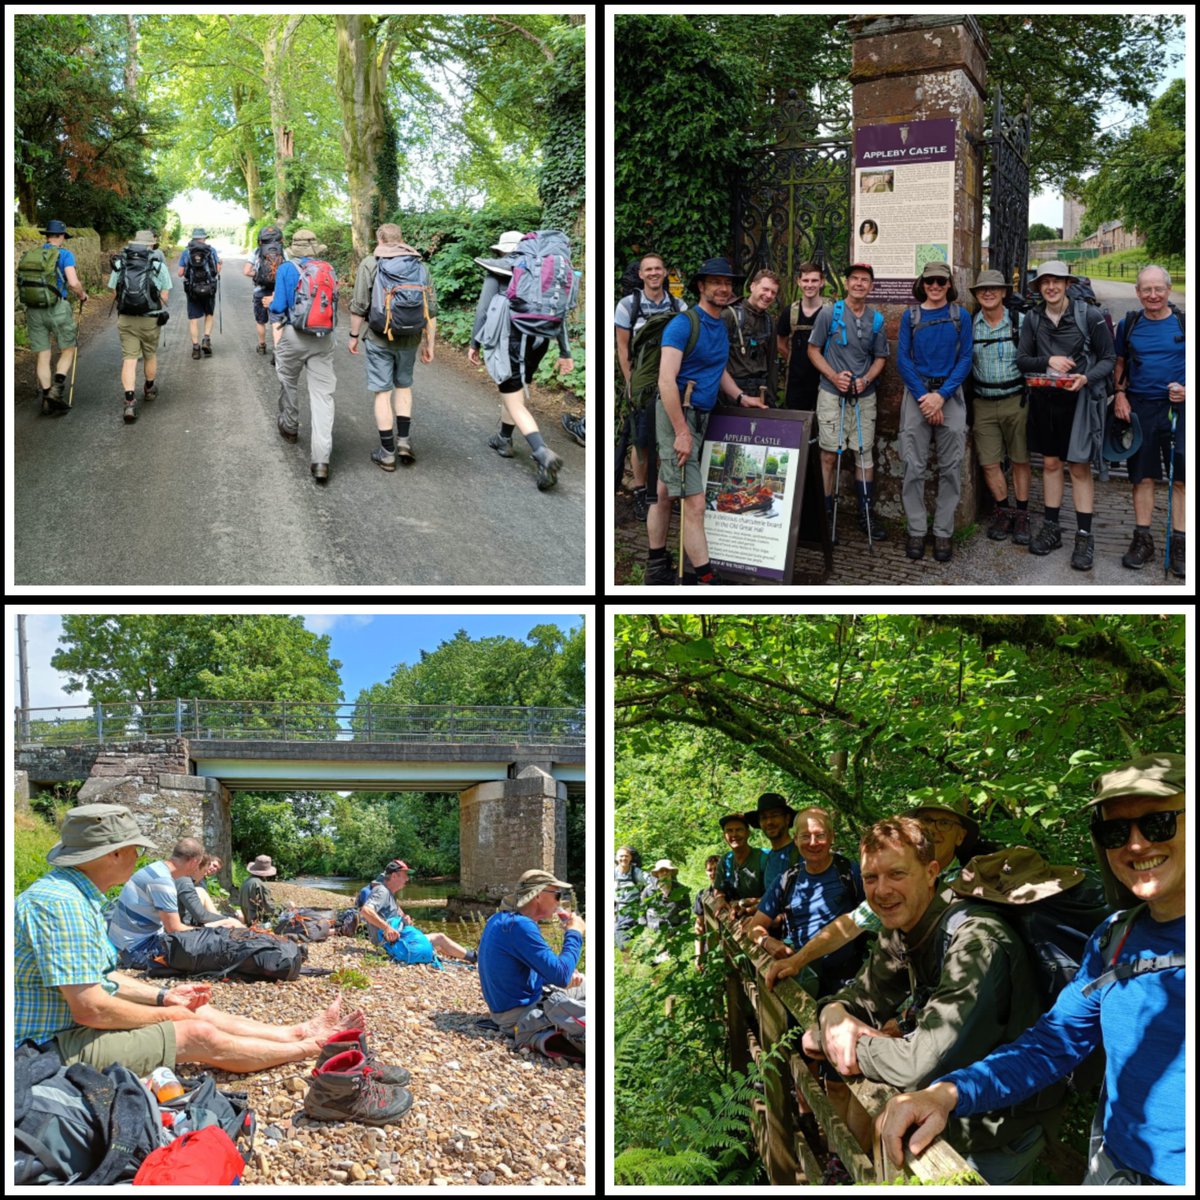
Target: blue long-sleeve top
pixel 515 961
pixel 1140 1022
pixel 938 352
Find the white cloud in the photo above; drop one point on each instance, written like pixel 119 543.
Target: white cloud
pixel 324 623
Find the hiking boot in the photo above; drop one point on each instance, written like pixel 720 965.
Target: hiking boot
pixel 1001 526
pixel 381 458
pixel 320 472
pixel 206 346
pixel 404 452
pixel 151 389
pixel 1047 538
pixel 574 427
pixel 1140 552
pixel 130 411
pixel 1081 556
pixel 52 407
pixel 660 572
pixel 641 506
pixel 1178 551
pixel 288 435
pixel 548 466
pixel 915 547
pixel 877 530
pixel 56 390
pixel 262 347
pixel 1021 527
pixel 943 549
pixel 356 1039
pixel 347 1089
pixel 502 445
pixel 195 349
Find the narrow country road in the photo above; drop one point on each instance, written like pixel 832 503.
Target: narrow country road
pixel 201 491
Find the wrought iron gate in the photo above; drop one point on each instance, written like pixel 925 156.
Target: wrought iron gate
pixel 1008 236
pixel 794 206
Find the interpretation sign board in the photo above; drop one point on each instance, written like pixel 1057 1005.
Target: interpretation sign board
pixel 903 202
pixel 754 464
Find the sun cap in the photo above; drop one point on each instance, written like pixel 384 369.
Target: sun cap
pixel 93 830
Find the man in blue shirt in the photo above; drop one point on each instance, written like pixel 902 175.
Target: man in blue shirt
pixel 1128 996
pixel 533 994
pixel 680 431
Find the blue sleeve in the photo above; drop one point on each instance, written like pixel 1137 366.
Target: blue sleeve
pixel 531 948
pixel 904 358
pixel 772 903
pixel 286 280
pixel 678 330
pixel 962 368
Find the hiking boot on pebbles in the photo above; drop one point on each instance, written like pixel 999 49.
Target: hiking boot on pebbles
pixel 502 445
pixel 356 1039
pixel 346 1089
pixel 1047 538
pixel 206 346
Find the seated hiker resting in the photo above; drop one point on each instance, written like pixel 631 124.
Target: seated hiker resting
pixel 148 906
pixel 257 906
pixel 195 904
pixel 380 911
pixel 65 985
pixel 533 994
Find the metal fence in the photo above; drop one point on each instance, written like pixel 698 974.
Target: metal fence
pixel 297 721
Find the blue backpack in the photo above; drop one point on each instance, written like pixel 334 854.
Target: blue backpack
pixel 412 946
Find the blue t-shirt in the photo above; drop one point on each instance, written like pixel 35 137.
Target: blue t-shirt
pixel 65 259
pixel 515 961
pixel 1140 1022
pixel 1158 348
pixel 811 903
pixel 135 918
pixel 778 861
pixel 936 351
pixel 706 363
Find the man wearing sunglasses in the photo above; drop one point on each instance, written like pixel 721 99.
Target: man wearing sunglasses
pixel 1129 996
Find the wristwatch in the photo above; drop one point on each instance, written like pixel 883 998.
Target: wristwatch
pixel 162 995
pixel 740 397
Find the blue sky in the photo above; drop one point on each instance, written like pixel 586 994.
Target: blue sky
pixel 369 646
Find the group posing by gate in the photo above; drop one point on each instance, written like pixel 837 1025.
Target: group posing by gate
pixel 1052 377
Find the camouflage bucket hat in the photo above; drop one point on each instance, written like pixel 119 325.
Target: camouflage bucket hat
pixel 1151 775
pixel 1018 875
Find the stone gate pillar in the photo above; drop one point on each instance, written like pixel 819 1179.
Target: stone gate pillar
pixel 508 827
pixel 916 69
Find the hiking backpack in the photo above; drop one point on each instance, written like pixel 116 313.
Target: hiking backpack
pixel 200 270
pixel 412 946
pixel 270 255
pixel 399 297
pixel 137 295
pixel 314 309
pixel 346 922
pixel 303 925
pixel 837 322
pixel 248 955
pixel 206 1157
pixel 203 1104
pixel 37 277
pixel 543 288
pixel 645 356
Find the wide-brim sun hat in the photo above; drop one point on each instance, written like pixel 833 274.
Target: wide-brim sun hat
pixel 714 266
pixel 93 830
pixel 509 241
pixel 262 866
pixel 530 884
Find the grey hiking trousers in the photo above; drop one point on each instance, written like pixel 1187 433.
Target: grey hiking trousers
pixel 297 350
pixel 560 1010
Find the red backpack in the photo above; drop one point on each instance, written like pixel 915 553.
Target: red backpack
pixel 206 1157
pixel 315 307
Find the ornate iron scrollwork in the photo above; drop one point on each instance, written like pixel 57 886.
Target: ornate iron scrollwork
pixel 1008 235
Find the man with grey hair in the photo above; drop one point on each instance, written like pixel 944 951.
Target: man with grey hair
pixel 148 905
pixel 1150 373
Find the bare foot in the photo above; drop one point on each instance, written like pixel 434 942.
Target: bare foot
pixel 332 1021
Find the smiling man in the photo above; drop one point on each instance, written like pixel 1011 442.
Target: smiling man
pixel 1128 996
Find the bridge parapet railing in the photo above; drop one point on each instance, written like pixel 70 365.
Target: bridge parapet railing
pixel 288 720
pixel 757 1019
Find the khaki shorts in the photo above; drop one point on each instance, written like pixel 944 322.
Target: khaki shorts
pixel 139 336
pixel 668 468
pixel 44 322
pixel 1000 425
pixel 141 1050
pixel 828 413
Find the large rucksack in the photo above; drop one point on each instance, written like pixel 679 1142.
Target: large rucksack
pixel 399 297
pixel 137 295
pixel 314 309
pixel 223 953
pixel 412 946
pixel 645 356
pixel 203 1104
pixel 304 925
pixel 270 255
pixel 200 270
pixel 37 277
pixel 76 1124
pixel 543 288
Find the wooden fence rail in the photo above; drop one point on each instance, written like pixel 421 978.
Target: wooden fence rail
pixel 756 1021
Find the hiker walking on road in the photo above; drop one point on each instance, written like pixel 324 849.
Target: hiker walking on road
pixel 304 315
pixel 43 276
pixel 143 286
pixel 263 265
pixel 394 293
pixel 519 348
pixel 200 270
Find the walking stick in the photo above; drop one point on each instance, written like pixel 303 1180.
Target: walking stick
pixel 859 466
pixel 75 359
pixel 1170 495
pixel 220 326
pixel 687 403
pixel 837 487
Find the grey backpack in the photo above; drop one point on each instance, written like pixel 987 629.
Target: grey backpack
pixel 400 297
pixel 543 288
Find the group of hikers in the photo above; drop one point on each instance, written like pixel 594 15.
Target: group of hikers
pixel 1037 378
pixel 72 995
pixel 989 979
pixel 528 291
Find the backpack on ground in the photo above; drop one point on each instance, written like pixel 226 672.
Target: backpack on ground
pixel 270 255
pixel 203 1104
pixel 314 309
pixel 399 297
pixel 207 1157
pixel 137 294
pixel 37 277
pixel 645 356
pixel 78 1125
pixel 346 922
pixel 200 270
pixel 303 925
pixel 249 955
pixel 412 946
pixel 543 288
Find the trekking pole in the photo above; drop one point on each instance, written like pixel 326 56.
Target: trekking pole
pixel 860 469
pixel 687 403
pixel 75 359
pixel 220 326
pixel 1170 494
pixel 837 487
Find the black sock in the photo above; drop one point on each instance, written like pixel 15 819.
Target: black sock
pixel 1142 528
pixel 1084 522
pixel 658 555
pixel 1052 514
pixel 129 397
pixel 704 572
pixel 1022 505
pixel 506 430
pixel 59 378
pixel 535 441
pixel 402 426
pixel 387 440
